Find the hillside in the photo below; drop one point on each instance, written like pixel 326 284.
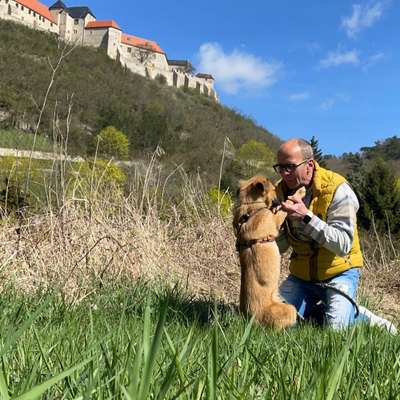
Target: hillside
pixel 189 127
pixel 387 149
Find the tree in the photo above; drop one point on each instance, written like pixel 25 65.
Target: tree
pixel 251 159
pixel 318 156
pixel 143 55
pixel 112 143
pixel 153 125
pixel 379 198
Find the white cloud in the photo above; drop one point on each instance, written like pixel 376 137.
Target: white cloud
pixel 363 17
pixel 335 58
pixel 372 60
pixel 327 104
pixel 238 70
pixel 299 96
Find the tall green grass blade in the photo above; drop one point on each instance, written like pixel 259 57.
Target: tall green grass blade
pixel 176 362
pixel 3 384
pixel 38 390
pixel 336 373
pixel 13 337
pixel 212 366
pixel 153 352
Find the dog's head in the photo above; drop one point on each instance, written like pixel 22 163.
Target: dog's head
pixel 256 190
pixel 255 194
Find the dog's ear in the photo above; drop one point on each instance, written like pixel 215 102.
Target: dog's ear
pixel 259 186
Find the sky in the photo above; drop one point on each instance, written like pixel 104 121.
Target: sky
pixel 329 69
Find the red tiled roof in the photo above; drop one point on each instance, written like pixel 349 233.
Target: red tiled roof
pixel 39 8
pixel 131 40
pixel 102 24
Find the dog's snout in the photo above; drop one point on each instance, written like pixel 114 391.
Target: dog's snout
pixel 276 202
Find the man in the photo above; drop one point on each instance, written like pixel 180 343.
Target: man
pixel 321 228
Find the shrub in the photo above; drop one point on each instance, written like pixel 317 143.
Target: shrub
pixel 112 143
pixel 222 200
pixel 161 79
pixel 251 159
pixel 100 172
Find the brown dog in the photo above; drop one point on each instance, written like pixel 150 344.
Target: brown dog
pixel 256 223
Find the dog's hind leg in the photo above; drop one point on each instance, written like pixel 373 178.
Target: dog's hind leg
pixel 280 315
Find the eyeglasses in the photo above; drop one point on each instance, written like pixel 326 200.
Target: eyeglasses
pixel 279 168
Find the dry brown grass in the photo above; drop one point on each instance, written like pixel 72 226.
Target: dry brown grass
pixel 107 237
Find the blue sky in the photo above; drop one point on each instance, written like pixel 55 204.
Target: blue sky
pixel 324 68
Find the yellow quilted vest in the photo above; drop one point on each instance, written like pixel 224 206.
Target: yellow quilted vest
pixel 311 261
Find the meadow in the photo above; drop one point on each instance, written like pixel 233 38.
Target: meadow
pixel 131 293
pixel 16 139
pixel 138 341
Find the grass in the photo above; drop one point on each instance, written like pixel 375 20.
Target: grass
pixel 78 321
pixel 141 341
pixel 15 139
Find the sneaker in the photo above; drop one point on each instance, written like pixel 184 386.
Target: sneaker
pixel 374 320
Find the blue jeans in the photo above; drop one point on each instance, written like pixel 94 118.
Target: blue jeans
pixel 338 311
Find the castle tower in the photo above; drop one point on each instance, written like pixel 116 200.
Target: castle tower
pixel 106 34
pixel 56 9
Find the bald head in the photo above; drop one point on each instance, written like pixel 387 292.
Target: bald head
pixel 296 147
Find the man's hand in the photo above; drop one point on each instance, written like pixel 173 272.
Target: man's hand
pixel 295 207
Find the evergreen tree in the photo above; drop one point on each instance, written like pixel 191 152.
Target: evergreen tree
pixel 379 198
pixel 318 156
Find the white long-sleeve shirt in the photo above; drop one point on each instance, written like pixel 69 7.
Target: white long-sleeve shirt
pixel 337 233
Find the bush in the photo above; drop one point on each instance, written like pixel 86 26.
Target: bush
pixel 112 143
pixel 251 159
pixel 101 172
pixel 222 200
pixel 161 79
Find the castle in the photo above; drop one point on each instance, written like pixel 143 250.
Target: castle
pixel 79 25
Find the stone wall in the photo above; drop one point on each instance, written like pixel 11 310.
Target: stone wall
pixel 97 37
pixel 13 11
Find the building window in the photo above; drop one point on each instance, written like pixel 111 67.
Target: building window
pixel 76 21
pixel 29 11
pixel 75 31
pixel 9 9
pixel 16 5
pixel 129 49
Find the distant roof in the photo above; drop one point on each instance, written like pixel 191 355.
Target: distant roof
pixel 205 76
pixel 150 45
pixel 180 63
pixel 102 24
pixel 79 12
pixel 58 5
pixel 40 8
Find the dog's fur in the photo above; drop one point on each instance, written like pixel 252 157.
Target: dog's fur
pixel 260 262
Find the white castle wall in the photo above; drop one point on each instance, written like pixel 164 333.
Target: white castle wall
pixel 13 11
pixel 158 65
